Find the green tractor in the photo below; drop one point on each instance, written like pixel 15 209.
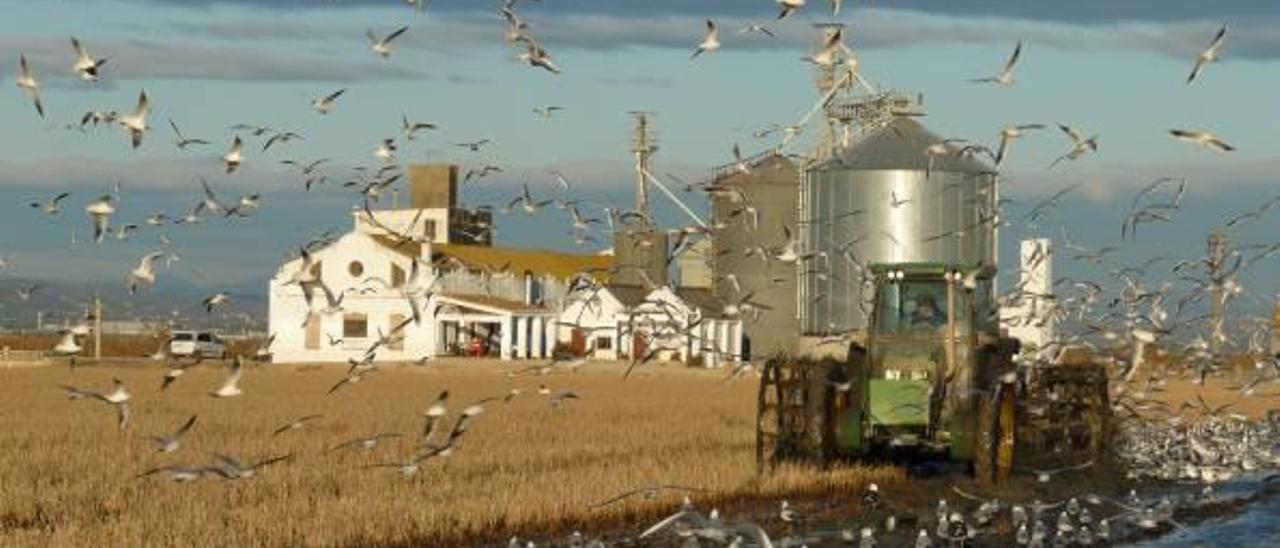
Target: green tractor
pixel 930 376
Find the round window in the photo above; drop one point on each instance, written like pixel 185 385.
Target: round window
pixel 355 269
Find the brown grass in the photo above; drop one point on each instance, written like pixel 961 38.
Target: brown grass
pixel 67 474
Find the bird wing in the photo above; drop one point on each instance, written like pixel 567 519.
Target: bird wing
pixel 1013 59
pixel 395 34
pixel 185 427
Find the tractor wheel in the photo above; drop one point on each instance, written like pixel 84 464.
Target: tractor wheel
pixel 768 417
pixel 996 441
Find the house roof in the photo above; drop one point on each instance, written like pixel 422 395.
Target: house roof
pixel 408 248
pixel 703 300
pixel 558 265
pixel 630 296
pixel 487 302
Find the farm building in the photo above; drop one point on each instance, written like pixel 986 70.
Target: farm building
pixel 472 298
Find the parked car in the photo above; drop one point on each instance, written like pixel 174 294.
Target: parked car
pixel 197 344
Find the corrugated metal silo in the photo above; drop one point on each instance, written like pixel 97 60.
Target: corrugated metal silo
pixel 886 200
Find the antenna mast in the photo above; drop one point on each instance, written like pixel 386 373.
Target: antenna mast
pixel 644 146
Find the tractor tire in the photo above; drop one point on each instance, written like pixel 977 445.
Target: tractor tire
pixel 996 442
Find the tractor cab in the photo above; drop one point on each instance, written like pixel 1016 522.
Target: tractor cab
pixel 915 371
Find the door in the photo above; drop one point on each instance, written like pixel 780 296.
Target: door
pixel 578 344
pixel 313 332
pixel 639 345
pixel 397 340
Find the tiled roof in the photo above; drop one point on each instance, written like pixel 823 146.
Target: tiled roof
pixel 486 301
pixel 555 264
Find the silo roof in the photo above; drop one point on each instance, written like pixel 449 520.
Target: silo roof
pixel 901 144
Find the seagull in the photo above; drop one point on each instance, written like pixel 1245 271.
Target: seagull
pixel 1079 145
pixel 710 42
pixel 51 207
pixel 386 150
pixel 171 442
pixel 1005 78
pixel 136 124
pixel 234 157
pixel 325 104
pixel 144 273
pixel 788 6
pixel 382 46
pixel 756 27
pixel 560 397
pixel 231 469
pixel 535 56
pixel 307 168
pixel 412 128
pixel 1201 138
pixel 282 137
pixel 100 211
pixel 473 146
pixel 434 413
pixel 547 111
pixel 368 443
pixel 1209 55
pixel 182 141
pixel 171 376
pixel 1008 134
pixel 179 474
pixel 67 346
pixel 297 424
pixel 229 387
pixel 215 300
pixel 210 202
pixel 86 66
pixel 27 81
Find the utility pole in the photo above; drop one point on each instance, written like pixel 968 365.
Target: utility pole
pixel 1217 254
pixel 97 328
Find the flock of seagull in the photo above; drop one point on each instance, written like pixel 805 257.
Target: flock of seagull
pixel 1205 451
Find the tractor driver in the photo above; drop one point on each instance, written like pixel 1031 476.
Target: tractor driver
pixel 926 313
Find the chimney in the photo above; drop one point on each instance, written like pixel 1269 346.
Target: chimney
pixel 433 186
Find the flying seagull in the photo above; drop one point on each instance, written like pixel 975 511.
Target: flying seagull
pixel 1005 78
pixel 100 211
pixel 183 142
pixel 382 46
pixel 230 386
pixel 27 81
pixel 412 128
pixel 144 274
pixel 788 7
pixel 1201 138
pixel 710 41
pixel 234 157
pixel 136 124
pixel 1079 145
pixel 171 442
pixel 86 66
pixel 1209 55
pixel 325 104
pixel 51 207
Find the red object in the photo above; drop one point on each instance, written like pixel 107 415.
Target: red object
pixel 477 347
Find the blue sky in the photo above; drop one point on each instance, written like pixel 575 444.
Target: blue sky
pixel 1111 68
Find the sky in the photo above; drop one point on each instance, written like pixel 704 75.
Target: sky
pixel 1114 69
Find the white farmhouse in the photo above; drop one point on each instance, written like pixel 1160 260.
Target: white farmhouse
pixel 471 298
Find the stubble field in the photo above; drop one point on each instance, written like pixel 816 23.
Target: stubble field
pixel 68 475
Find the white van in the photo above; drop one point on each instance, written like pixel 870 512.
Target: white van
pixel 197 344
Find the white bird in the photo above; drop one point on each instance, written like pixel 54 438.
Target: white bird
pixel 86 66
pixel 51 207
pixel 144 274
pixel 710 41
pixel 382 46
pixel 757 28
pixel 1005 78
pixel 182 141
pixel 1079 144
pixel 230 387
pixel 215 300
pixel 67 346
pixel 434 413
pixel 1209 55
pixel 325 104
pixel 136 124
pixel 535 56
pixel 788 6
pixel 100 211
pixel 27 81
pixel 411 129
pixel 386 150
pixel 234 157
pixel 172 442
pixel 547 111
pixel 1201 138
pixel 1008 134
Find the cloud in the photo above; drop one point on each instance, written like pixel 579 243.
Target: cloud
pixel 138 58
pixel 159 174
pixel 1106 183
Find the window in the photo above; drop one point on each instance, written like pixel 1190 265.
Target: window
pixel 356 269
pixel 604 343
pixel 397 341
pixel 355 326
pixel 397 276
pixel 204 337
pixel 182 336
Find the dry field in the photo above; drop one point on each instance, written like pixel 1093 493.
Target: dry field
pixel 68 475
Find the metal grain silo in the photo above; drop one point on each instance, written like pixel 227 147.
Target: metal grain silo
pixel 886 200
